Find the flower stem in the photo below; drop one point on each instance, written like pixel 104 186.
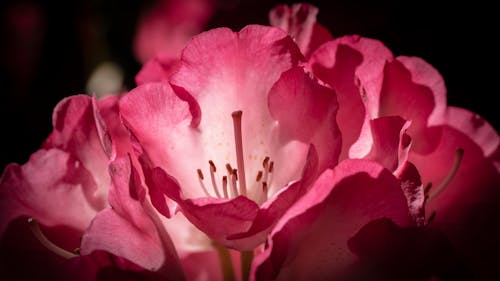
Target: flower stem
pixel 225 262
pixel 246 258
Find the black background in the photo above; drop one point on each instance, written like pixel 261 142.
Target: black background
pixel 457 39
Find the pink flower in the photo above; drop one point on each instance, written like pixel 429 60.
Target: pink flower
pixel 393 111
pixel 61 189
pixel 222 141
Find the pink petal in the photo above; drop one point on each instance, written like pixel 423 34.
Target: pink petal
pixel 353 67
pixel 130 230
pixel 299 21
pixel 295 95
pixel 168 26
pixel 310 241
pixel 415 91
pixel 388 141
pixel 474 126
pixel 51 181
pixel 156 70
pixel 218 218
pixel 75 132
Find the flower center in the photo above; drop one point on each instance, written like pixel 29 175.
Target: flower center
pixel 234 180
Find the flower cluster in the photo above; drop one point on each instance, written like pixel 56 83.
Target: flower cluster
pixel 270 153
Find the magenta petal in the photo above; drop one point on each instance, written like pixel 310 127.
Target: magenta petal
pixel 353 67
pixel 156 70
pixel 218 218
pixel 234 69
pixel 474 126
pixel 299 21
pixel 405 94
pixel 49 182
pixel 388 141
pixel 130 229
pixel 310 241
pixel 75 132
pixel 296 94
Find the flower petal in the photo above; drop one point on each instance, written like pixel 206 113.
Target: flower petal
pixel 296 94
pixel 415 91
pixel 353 67
pixel 388 141
pixel 129 229
pixel 75 132
pixel 51 181
pixel 310 241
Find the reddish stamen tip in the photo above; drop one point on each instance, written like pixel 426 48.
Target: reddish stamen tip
pixel 212 166
pixel 259 176
pixel 271 167
pixel 200 174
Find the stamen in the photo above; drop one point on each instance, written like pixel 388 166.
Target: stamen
pixel 259 176
pixel 265 164
pixel 451 174
pixel 224 186
pixel 229 169
pixel 264 191
pixel 271 167
pixel 200 178
pixel 234 179
pixel 212 176
pixel 238 139
pixel 35 228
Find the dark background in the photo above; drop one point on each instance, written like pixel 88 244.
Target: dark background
pixel 48 56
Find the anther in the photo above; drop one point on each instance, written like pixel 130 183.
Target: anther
pixel 238 139
pixel 212 166
pixel 451 174
pixel 259 176
pixel 200 174
pixel 271 167
pixel 35 228
pixel 212 177
pixel 265 162
pixel 229 168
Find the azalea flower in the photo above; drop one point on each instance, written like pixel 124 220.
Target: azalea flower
pixel 221 141
pixel 393 111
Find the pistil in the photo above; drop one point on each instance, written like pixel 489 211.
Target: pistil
pixel 238 139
